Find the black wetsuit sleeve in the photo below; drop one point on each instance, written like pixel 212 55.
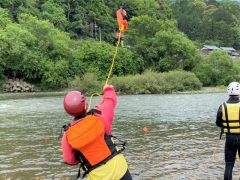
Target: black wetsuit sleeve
pixel 219 117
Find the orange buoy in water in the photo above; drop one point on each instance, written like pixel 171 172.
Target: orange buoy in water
pixel 145 130
pixel 45 138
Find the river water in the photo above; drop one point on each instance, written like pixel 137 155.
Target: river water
pixel 182 140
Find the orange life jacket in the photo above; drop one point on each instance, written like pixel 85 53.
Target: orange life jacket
pixel 87 136
pixel 94 146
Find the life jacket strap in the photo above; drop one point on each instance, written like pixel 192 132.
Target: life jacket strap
pixel 64 128
pixel 237 127
pixel 92 111
pixel 226 116
pixel 79 171
pixel 121 143
pixel 233 121
pixel 85 165
pixel 86 171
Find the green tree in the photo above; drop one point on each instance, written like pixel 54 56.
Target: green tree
pixel 55 74
pixel 4 21
pixel 172 50
pixel 160 44
pixel 14 6
pixel 217 69
pixel 3 52
pixel 87 18
pixel 209 20
pixel 95 57
pixel 189 14
pixel 56 43
pixel 30 7
pixel 16 48
pixel 143 29
pixel 237 37
pixel 54 50
pixel 55 14
pixel 4 18
pixel 157 9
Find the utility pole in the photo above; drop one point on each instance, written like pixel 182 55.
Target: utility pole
pixel 100 34
pixel 95 30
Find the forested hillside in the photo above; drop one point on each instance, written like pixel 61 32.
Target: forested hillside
pixel 52 43
pixel 215 22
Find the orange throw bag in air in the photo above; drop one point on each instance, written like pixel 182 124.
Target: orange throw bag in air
pixel 87 136
pixel 122 23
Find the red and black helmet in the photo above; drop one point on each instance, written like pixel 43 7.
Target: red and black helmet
pixel 75 103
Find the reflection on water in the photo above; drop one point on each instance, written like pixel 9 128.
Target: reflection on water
pixel 182 142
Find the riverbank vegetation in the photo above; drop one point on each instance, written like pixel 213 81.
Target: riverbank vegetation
pixel 146 83
pixel 157 83
pixel 57 44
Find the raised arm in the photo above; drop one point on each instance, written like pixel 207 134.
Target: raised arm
pixel 107 106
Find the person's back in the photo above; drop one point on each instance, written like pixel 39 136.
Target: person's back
pixel 228 118
pixel 87 140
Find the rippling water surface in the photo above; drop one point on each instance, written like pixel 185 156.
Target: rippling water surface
pixel 182 142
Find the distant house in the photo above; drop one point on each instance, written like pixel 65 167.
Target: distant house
pixel 208 48
pixel 230 50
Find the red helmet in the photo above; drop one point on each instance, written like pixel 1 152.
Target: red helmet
pixel 75 103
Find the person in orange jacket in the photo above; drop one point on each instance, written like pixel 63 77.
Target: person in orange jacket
pixel 87 140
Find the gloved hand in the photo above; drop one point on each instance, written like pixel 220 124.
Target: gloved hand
pixel 107 87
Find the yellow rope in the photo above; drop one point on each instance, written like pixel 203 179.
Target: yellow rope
pixel 109 73
pixel 90 101
pixel 113 60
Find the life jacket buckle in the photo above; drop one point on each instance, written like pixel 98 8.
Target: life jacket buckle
pixel 65 127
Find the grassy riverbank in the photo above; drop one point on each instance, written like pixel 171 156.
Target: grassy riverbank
pixel 5 96
pixel 219 89
pixel 172 82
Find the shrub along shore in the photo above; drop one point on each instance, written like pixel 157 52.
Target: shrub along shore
pixel 173 82
pixel 6 96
